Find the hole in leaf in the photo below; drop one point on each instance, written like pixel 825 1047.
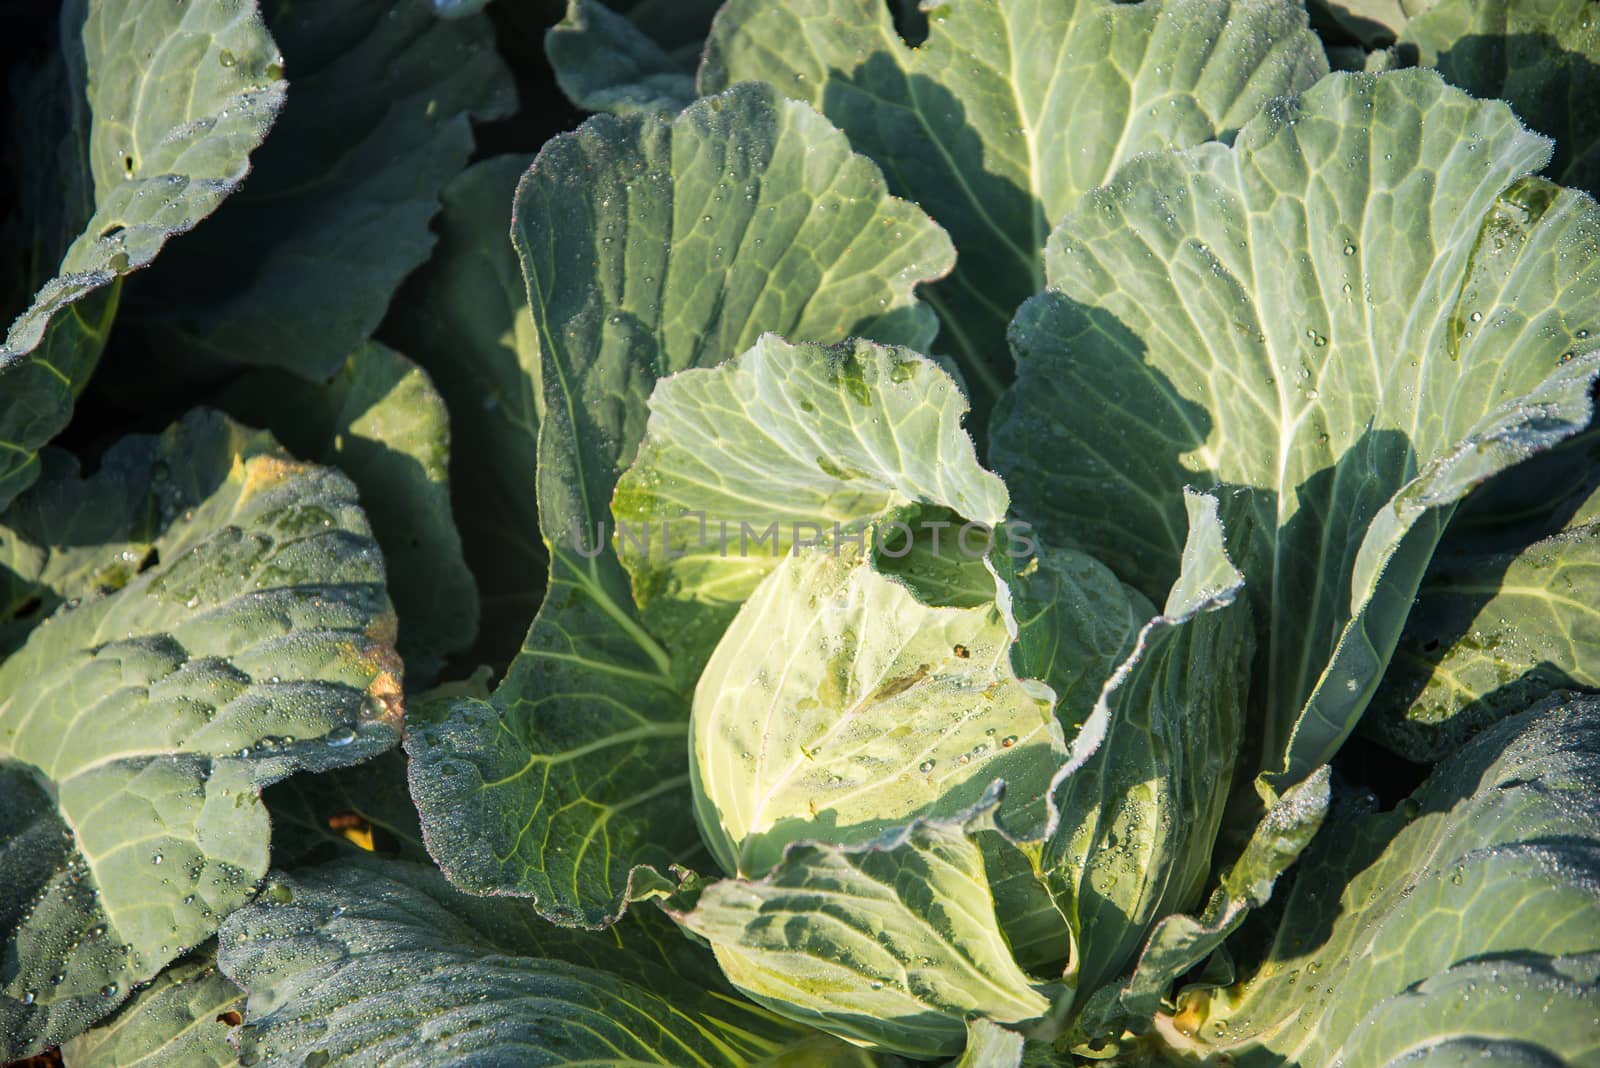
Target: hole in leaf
pixel 152 558
pixel 115 230
pixel 231 1018
pixel 910 22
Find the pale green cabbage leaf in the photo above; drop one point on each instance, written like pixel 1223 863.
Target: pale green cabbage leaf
pixel 1135 811
pixel 745 213
pixel 838 707
pixel 381 962
pixel 238 633
pixel 1540 56
pixel 893 943
pixel 1459 924
pixel 1492 630
pixel 1266 318
pixel 744 463
pixel 1013 109
pixel 181 1018
pixel 1179 941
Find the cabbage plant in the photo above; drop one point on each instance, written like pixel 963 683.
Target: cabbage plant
pixel 990 533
